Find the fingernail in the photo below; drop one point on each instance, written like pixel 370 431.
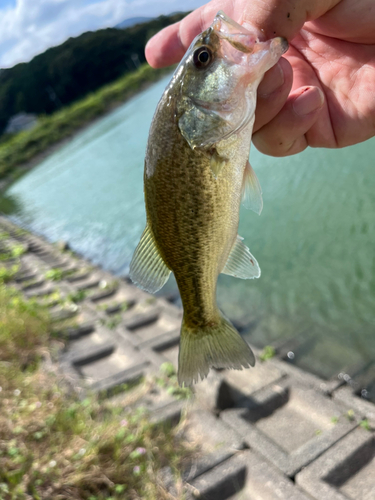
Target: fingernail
pixel 272 80
pixel 310 100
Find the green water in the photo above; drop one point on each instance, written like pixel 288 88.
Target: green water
pixel 314 240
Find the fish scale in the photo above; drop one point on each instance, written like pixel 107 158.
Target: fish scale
pixel 196 172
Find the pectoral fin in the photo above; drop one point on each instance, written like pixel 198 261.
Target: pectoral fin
pixel 217 162
pixel 147 268
pixel 251 191
pixel 240 263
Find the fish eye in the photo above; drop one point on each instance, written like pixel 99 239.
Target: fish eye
pixel 202 57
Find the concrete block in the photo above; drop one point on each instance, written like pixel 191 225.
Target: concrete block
pixel 155 326
pixel 111 382
pixel 169 414
pixel 290 424
pixel 82 318
pixel 92 281
pixel 102 293
pixel 170 354
pixel 108 360
pixel 162 342
pixel 44 289
pixel 94 338
pixel 221 482
pixel 215 439
pixel 52 259
pixel 123 299
pixel 363 383
pixel 265 482
pixel 81 274
pixel 300 376
pixel 136 320
pixel 244 476
pixel 35 283
pixel 25 275
pixel 365 409
pixel 156 398
pixel 346 471
pixel 90 355
pixel 211 432
pixel 242 383
pixel 213 393
pixel 79 331
pixel 60 313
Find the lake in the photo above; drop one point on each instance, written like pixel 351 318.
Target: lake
pixel 314 241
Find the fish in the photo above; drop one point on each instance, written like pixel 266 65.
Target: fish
pixel 196 174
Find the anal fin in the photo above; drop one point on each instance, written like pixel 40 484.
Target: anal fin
pixel 147 268
pixel 241 263
pixel 251 191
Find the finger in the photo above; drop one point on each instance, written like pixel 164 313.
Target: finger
pixel 285 134
pixel 165 48
pixel 272 18
pixel 273 92
pixel 169 45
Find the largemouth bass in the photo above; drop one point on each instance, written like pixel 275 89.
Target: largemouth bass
pixel 196 173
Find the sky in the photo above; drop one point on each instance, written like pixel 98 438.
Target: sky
pixel 29 27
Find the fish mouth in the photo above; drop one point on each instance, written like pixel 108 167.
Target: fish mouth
pixel 238 36
pixel 241 38
pixel 225 25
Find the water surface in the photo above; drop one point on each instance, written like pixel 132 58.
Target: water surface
pixel 314 240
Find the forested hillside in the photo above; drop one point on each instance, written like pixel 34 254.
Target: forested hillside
pixel 75 68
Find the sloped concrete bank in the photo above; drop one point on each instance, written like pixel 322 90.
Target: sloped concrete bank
pixel 272 432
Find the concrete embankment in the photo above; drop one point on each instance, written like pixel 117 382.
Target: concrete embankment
pixel 272 432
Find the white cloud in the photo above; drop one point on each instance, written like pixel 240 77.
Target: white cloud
pixel 31 26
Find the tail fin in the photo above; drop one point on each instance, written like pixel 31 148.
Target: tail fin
pixel 219 346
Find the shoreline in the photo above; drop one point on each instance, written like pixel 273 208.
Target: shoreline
pixel 241 414
pixel 22 168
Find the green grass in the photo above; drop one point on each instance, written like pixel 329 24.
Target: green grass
pixel 24 330
pixel 7 273
pixel 12 251
pixel 53 445
pixel 23 147
pixel 268 352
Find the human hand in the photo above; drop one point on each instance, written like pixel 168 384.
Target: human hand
pixel 322 92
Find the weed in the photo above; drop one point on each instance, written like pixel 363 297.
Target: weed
pixel 7 274
pixel 23 329
pixel 14 251
pixel 51 299
pixel 268 352
pixel 53 445
pixel 365 424
pixel 350 415
pixel 113 321
pixel 168 380
pixel 78 296
pixel 150 300
pixel 55 274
